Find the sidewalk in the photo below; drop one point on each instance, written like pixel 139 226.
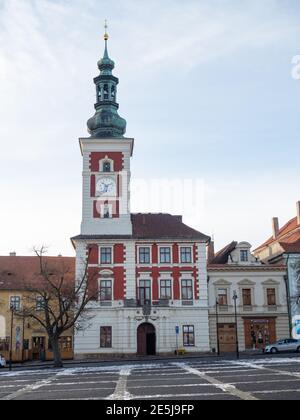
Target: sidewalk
pixel 136 359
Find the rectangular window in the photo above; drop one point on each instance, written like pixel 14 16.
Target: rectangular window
pixel 271 297
pixel 145 292
pixel 39 304
pixel 187 290
pixel 165 255
pixel 65 343
pixel 105 290
pixel 186 255
pixel 106 337
pixel 15 303
pixel 247 301
pixel 165 289
pixel 144 255
pixel 222 297
pixel 106 256
pixel 244 255
pixel 188 335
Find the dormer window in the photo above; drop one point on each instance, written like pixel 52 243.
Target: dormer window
pixel 106 166
pixel 244 255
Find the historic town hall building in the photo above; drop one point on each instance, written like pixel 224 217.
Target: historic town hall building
pixel 146 272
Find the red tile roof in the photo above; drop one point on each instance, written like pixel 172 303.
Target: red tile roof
pixel 156 227
pixel 17 273
pixel 288 234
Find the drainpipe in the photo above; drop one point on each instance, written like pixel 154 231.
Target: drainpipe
pixel 288 296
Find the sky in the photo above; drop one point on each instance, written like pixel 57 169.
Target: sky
pixel 209 92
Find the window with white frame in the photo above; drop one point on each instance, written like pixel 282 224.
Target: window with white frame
pixel 165 255
pixel 244 255
pixel 15 303
pixel 186 255
pixel 105 255
pixel 144 255
pixel 187 289
pixel 145 291
pixel 166 289
pixel 105 290
pixel 223 297
pixel 106 166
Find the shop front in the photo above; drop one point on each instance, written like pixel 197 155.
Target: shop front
pixel 259 332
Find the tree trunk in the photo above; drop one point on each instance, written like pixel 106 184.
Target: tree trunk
pixel 56 352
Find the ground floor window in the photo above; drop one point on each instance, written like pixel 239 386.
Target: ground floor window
pixel 4 344
pixel 188 335
pixel 106 337
pixel 66 343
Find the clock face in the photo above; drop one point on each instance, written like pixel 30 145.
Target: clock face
pixel 106 187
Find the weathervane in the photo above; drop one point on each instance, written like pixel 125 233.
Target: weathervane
pixel 106 36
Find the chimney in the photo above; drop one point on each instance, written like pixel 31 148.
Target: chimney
pixel 210 252
pixel 298 212
pixel 275 226
pixel 13 254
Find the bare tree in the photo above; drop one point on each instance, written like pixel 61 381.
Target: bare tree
pixel 57 300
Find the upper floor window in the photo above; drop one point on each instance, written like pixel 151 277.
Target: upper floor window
pixel 105 290
pixel 106 256
pixel 144 255
pixel 271 297
pixel 247 301
pixel 165 255
pixel 165 289
pixel 222 297
pixel 15 303
pixel 186 255
pixel 39 304
pixel 145 291
pixel 244 255
pixel 187 290
pixel 106 166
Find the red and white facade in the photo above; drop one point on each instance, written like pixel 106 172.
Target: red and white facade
pixel 146 272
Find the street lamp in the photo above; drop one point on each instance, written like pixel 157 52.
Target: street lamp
pixel 235 298
pixel 12 309
pixel 217 321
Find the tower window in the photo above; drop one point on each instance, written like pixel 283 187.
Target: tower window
pixel 113 93
pixel 106 93
pixel 99 93
pixel 106 167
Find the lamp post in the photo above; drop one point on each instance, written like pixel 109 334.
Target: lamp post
pixel 11 336
pixel 235 298
pixel 217 325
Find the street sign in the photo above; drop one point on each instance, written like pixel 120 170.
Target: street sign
pixel 177 330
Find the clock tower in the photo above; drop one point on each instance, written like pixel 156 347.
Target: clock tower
pixel 106 160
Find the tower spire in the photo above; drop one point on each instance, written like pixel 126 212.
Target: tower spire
pixel 106 122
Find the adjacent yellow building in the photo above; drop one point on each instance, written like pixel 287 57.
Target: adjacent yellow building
pixel 28 338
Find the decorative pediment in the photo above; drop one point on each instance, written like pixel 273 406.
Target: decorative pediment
pixel 246 282
pixel 222 282
pixel 270 282
pixel 106 274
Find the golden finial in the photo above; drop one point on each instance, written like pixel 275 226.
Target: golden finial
pixel 106 36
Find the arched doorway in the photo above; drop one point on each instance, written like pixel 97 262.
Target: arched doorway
pixel 146 340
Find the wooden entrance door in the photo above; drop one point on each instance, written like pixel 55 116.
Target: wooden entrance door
pixel 38 346
pixel 227 338
pixel 146 340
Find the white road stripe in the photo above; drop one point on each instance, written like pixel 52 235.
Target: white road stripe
pixel 121 392
pixel 230 389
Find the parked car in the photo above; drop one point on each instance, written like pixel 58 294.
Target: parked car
pixel 287 345
pixel 2 361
